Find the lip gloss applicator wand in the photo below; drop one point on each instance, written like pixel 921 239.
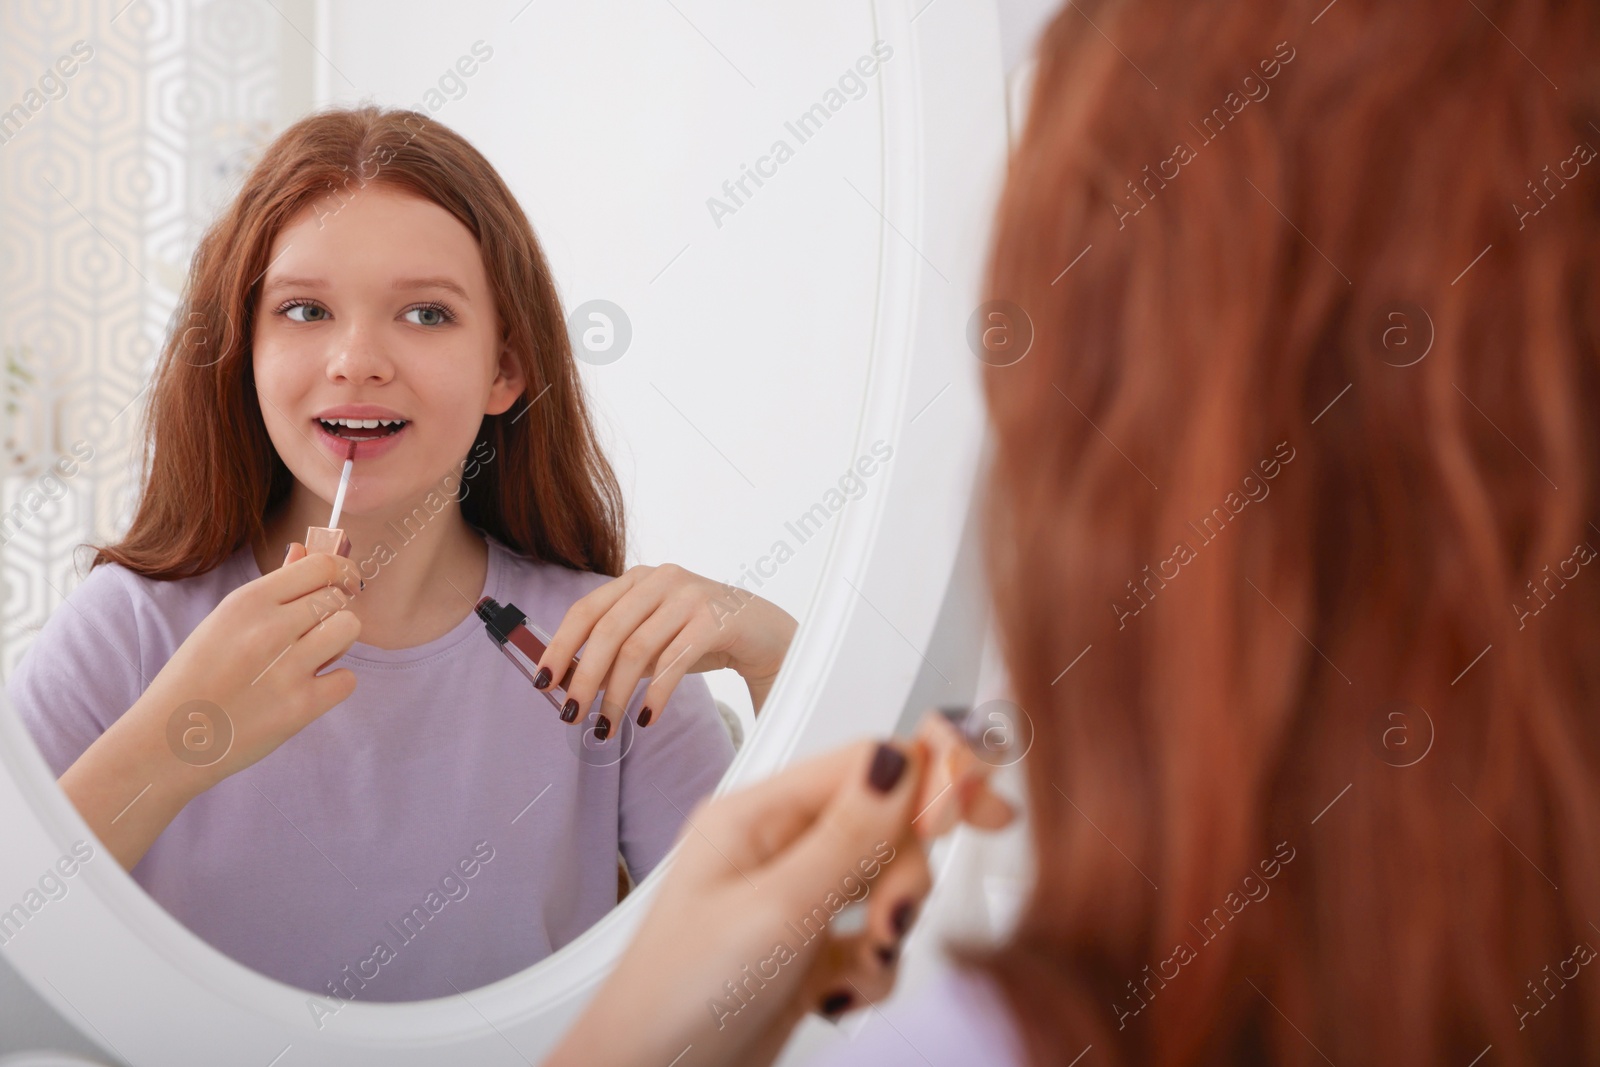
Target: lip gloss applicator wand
pixel 330 538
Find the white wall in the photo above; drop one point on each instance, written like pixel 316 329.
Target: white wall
pixel 736 406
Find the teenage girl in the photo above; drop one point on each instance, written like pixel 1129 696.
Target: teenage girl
pixel 417 820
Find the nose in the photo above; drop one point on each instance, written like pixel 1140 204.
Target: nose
pixel 358 357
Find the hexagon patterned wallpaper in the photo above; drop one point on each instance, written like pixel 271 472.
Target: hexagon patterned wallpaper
pixel 124 126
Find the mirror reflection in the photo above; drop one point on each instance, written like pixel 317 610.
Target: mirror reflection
pixel 363 678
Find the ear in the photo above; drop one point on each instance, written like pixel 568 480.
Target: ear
pixel 508 384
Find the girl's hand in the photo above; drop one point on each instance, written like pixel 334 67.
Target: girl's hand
pixel 240 685
pixel 739 945
pixel 665 622
pixel 261 648
pixel 955 786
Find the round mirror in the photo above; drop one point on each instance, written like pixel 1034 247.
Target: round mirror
pixel 765 231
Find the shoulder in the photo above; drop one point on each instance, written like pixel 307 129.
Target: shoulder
pixel 109 583
pixel 100 647
pixel 542 590
pixel 958 1017
pixel 115 609
pixel 107 594
pixel 119 582
pixel 178 603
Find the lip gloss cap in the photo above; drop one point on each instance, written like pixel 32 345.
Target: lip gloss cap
pixel 500 619
pixel 331 541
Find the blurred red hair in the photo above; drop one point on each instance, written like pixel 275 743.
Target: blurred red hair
pixel 1385 178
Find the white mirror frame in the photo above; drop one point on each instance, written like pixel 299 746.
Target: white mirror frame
pixel 114 963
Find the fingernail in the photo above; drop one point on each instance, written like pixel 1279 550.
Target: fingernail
pixel 569 710
pixel 645 715
pixel 542 679
pixel 887 767
pixel 900 917
pixel 363 582
pixel 602 729
pixel 286 553
pixel 886 953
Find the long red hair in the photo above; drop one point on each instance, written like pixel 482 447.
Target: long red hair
pixel 210 475
pixel 1304 464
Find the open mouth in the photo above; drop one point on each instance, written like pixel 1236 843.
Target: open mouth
pixel 363 429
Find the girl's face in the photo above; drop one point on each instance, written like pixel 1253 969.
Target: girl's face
pixel 378 309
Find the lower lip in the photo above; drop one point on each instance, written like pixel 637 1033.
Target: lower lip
pixel 372 449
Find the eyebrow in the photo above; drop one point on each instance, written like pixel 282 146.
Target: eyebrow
pixel 434 282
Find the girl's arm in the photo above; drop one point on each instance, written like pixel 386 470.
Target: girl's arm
pixel 779 628
pixel 243 682
pixel 127 784
pixel 739 945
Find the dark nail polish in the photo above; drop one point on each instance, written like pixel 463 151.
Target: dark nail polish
pixel 602 729
pixel 887 767
pixel 542 679
pixel 645 715
pixel 835 1003
pixel 900 917
pixel 886 954
pixel 363 582
pixel 569 710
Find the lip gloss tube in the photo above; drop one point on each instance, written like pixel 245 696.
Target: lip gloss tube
pixel 523 643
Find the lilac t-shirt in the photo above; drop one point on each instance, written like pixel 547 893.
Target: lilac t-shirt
pixel 436 831
pixel 958 1019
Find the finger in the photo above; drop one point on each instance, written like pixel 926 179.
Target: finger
pixel 983 808
pixel 331 689
pixel 897 895
pixel 870 807
pixel 956 787
pixel 672 664
pixel 579 620
pixel 293 622
pixel 848 975
pixel 952 768
pixel 756 823
pixel 308 573
pixel 326 692
pixel 641 648
pixel 323 644
pixel 314 608
pixel 606 639
pixel 296 551
pixel 300 655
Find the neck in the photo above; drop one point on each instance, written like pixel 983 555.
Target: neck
pixel 424 571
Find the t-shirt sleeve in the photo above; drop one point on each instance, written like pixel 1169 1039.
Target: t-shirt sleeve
pixel 674 762
pixel 82 671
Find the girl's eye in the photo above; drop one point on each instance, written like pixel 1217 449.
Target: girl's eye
pixel 431 314
pixel 287 310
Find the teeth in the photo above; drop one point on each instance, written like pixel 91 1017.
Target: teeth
pixel 363 424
